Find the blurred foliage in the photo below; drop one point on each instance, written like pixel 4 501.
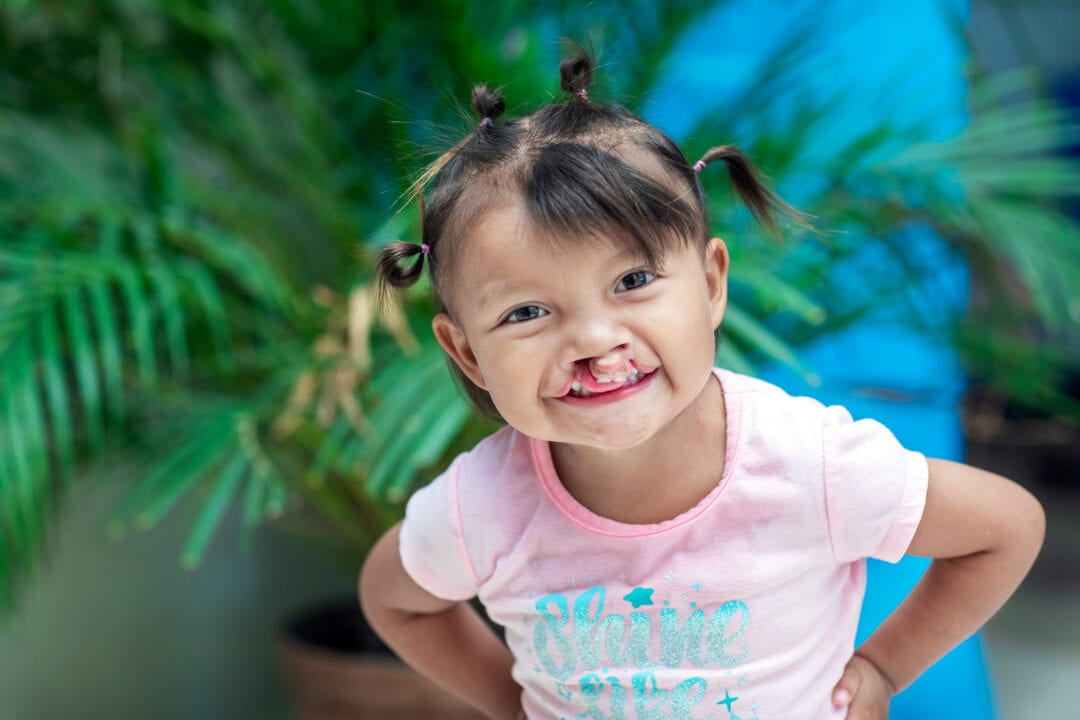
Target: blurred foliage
pixel 190 192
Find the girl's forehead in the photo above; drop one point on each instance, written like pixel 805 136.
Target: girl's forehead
pixel 510 226
pixel 506 252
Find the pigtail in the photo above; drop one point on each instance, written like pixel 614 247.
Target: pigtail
pixel 394 271
pixel 399 267
pixel 762 202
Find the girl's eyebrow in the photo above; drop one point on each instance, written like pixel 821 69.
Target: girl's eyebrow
pixel 488 293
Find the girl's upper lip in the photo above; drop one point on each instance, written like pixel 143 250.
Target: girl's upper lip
pixel 582 374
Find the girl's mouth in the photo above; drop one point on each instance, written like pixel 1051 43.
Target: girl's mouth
pixel 585 384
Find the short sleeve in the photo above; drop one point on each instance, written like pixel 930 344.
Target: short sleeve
pixel 875 489
pixel 431 542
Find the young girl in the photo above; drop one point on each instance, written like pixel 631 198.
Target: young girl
pixel 659 538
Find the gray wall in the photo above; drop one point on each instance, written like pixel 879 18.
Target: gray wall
pixel 116 629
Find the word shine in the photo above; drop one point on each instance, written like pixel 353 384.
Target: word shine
pixel 583 638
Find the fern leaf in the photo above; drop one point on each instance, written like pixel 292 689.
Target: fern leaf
pixel 86 368
pixel 213 510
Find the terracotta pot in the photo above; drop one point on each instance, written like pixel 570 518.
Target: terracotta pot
pixel 339 670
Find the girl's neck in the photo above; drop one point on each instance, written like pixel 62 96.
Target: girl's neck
pixel 658 479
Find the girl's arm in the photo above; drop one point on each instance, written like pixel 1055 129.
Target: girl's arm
pixel 444 640
pixel 984 532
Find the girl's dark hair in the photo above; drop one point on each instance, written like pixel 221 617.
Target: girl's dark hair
pixel 583 172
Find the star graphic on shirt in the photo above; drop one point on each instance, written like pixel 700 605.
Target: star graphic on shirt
pixel 639 596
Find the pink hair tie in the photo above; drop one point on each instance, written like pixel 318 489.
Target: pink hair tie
pixel 425 248
pixel 485 122
pixel 699 166
pixel 583 94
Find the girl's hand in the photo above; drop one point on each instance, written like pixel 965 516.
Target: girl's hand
pixel 864 690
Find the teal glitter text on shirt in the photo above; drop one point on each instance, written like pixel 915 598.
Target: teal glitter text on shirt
pixel 585 639
pixel 650 702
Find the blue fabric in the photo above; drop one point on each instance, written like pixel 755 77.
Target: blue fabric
pixel 958 686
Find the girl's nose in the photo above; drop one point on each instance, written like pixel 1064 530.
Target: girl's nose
pixel 603 342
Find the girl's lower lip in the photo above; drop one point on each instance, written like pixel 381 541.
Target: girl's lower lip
pixel 609 397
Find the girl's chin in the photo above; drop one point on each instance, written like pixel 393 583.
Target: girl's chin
pixel 614 438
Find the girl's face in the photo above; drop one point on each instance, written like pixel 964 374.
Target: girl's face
pixel 585 345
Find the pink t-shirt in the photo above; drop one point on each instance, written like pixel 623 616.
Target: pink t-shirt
pixel 744 606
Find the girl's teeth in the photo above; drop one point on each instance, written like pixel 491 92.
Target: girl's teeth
pixel 577 390
pixel 604 378
pixel 630 375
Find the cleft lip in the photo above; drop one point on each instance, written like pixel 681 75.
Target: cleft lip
pixel 585 384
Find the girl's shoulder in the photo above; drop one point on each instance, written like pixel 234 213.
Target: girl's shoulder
pixel 757 395
pixel 500 468
pixel 491 495
pixel 502 453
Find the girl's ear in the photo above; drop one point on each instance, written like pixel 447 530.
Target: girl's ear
pixel 716 272
pixel 453 341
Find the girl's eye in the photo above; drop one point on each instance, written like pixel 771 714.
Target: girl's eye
pixel 529 312
pixel 634 280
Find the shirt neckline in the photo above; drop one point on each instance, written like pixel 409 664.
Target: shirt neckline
pixel 587 519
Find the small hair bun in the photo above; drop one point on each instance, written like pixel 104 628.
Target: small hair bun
pixel 576 72
pixel 487 103
pixel 394 267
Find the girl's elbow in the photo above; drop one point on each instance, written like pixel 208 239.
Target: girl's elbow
pixel 375 583
pixel 1025 527
pixel 366 584
pixel 1033 522
pixel 363 583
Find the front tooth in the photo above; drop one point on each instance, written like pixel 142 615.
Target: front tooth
pixel 605 378
pixel 576 386
pixel 619 377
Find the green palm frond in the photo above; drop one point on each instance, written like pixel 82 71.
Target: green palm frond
pixel 78 329
pixel 996 193
pixel 420 412
pixel 754 336
pixel 226 486
pixel 216 456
